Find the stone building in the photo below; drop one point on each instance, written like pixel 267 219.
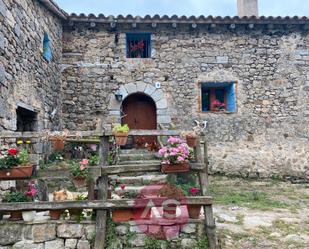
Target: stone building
pixel 86 72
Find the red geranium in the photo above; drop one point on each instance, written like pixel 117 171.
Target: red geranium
pixel 194 191
pixel 12 151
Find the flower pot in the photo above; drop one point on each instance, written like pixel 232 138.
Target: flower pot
pixel 194 211
pixel 55 214
pixel 17 172
pixel 169 211
pixel 58 144
pixel 191 141
pixel 121 138
pixel 79 181
pixel 28 215
pixel 121 215
pixel 16 215
pixel 142 213
pixel 175 168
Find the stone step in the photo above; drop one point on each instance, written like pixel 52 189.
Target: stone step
pixel 141 179
pixel 135 151
pixel 149 191
pixel 137 157
pixel 138 162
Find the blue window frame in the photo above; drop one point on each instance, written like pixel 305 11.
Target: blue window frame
pixel 138 45
pixel 218 96
pixel 46 48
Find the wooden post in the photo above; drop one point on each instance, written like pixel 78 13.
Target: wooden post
pixel 203 178
pixel 102 195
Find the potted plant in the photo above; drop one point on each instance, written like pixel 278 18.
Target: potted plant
pixel 173 195
pixel 174 156
pixel 194 210
pixel 31 194
pixel 191 138
pixel 15 164
pixel 58 139
pixel 218 106
pixel 121 215
pixel 77 214
pixel 80 173
pixel 16 196
pixel 121 134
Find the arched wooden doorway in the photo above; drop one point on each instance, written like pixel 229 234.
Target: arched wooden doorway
pixel 139 112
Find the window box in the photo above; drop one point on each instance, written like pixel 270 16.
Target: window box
pixel 218 97
pixel 138 45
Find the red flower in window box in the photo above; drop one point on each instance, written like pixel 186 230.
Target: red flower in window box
pixel 12 152
pixel 218 106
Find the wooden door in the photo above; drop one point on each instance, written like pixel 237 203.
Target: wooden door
pixel 140 113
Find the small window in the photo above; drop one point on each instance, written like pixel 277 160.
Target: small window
pixel 139 45
pixel 46 48
pixel 26 119
pixel 218 97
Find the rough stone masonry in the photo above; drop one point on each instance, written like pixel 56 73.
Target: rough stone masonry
pixel 268 59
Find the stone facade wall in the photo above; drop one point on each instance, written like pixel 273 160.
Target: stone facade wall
pixel 267 135
pixel 25 76
pixel 72 235
pixel 46 235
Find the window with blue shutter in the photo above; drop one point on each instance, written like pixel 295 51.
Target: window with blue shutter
pixel 46 48
pixel 138 45
pixel 218 97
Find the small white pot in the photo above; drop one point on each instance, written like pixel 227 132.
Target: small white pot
pixel 28 215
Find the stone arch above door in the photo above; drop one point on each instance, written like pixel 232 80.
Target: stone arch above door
pixel 158 96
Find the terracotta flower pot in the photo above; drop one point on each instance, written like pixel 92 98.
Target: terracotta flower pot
pixel 55 214
pixel 58 145
pixel 79 181
pixel 191 141
pixel 174 168
pixel 169 211
pixel 17 172
pixel 121 215
pixel 16 215
pixel 142 213
pixel 121 138
pixel 194 211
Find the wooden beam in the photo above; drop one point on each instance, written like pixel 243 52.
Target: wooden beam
pixel 64 173
pixel 100 204
pixel 117 169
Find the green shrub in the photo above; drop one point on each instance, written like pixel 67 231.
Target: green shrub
pixel 118 128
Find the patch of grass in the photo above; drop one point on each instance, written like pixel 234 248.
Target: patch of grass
pixel 201 244
pixel 240 219
pixel 250 199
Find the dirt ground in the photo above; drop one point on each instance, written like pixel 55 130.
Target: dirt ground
pixel 260 214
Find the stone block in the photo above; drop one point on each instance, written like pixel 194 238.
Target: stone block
pixel 188 228
pixel 43 232
pixel 10 233
pixel 83 244
pixel 70 231
pixel 188 243
pixel 70 243
pixel 222 59
pixel 164 119
pixel 157 95
pixel 89 231
pixel 171 232
pixel 3 8
pixel 150 89
pixel 114 104
pixel 55 244
pixel 2 74
pixel 131 88
pixel 138 240
pixel 123 91
pixel 154 229
pixel 140 86
pixel 139 229
pixel 121 230
pixel 28 244
pixel 161 104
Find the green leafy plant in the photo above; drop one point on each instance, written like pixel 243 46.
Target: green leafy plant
pixel 118 128
pixel 152 243
pixel 94 160
pixel 201 244
pixel 23 156
pixel 79 169
pixel 16 197
pixel 55 157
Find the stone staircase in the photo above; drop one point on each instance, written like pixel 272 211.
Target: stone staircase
pixel 136 182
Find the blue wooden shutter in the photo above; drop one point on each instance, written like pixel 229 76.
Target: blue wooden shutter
pixel 46 48
pixel 230 98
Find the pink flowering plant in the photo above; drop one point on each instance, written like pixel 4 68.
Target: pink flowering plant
pixel 176 151
pixel 79 169
pixel 32 191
